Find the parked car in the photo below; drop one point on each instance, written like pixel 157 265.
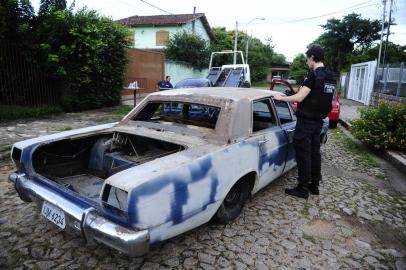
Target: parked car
pixel 194 82
pixel 286 87
pixel 291 80
pixel 178 160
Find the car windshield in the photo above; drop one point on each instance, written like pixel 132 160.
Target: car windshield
pixel 178 112
pixel 192 83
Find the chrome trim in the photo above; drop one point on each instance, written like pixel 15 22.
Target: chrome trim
pixel 14 176
pixel 93 227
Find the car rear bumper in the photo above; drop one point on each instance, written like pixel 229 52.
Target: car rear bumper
pixel 92 226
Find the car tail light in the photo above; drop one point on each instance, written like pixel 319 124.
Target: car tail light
pixel 115 199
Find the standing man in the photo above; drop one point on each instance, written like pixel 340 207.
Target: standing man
pixel 314 99
pixel 165 84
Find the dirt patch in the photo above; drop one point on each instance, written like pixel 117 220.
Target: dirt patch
pixel 320 229
pixel 381 234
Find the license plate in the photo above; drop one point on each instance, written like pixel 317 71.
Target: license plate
pixel 54 214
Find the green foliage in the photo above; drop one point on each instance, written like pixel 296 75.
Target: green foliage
pixel 16 20
pixel 51 5
pixel 298 68
pixel 87 52
pixel 278 58
pixel 382 127
pixel 394 54
pixel 344 37
pixel 8 112
pixel 81 50
pixel 188 48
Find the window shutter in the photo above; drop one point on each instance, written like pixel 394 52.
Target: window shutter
pixel 162 38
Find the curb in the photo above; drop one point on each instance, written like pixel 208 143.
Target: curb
pixel 344 123
pixel 396 160
pixel 392 157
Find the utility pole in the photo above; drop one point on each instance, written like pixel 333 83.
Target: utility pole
pixel 387 33
pixel 383 27
pixel 193 22
pixel 235 43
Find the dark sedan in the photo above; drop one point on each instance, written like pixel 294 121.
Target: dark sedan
pixel 194 82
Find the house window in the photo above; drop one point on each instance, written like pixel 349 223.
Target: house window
pixel 162 38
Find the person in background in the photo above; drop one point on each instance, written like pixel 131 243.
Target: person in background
pixel 314 103
pixel 165 84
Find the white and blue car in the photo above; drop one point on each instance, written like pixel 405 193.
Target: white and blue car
pixel 178 160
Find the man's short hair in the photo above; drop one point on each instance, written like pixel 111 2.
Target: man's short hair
pixel 317 52
pixel 167 76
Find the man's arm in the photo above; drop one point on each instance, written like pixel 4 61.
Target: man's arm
pixel 298 97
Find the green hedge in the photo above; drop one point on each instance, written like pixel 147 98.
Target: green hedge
pixel 87 52
pixel 382 127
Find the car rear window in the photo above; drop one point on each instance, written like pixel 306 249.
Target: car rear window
pixel 192 114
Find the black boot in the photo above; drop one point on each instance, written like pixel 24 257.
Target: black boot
pixel 314 189
pixel 298 191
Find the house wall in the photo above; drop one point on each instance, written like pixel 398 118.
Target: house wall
pixel 179 71
pixel 145 36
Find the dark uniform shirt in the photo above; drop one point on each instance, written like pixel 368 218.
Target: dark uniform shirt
pixel 164 84
pixel 317 104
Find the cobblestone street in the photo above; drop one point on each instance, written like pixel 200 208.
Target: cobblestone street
pixel 358 221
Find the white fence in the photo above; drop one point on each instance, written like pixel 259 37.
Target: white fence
pixel 361 82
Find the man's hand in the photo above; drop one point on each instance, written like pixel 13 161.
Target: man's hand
pixel 277 97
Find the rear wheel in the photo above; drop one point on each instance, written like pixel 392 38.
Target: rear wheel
pixel 233 203
pixel 332 124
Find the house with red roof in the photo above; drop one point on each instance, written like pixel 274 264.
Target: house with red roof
pixel 153 32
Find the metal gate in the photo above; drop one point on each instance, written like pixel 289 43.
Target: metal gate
pixel 361 82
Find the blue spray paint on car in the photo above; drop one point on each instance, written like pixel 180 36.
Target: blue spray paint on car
pixel 200 170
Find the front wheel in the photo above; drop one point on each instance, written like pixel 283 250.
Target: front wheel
pixel 233 203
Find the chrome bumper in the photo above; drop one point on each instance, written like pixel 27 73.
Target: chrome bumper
pixel 93 227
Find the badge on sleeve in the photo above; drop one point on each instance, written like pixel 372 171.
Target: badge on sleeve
pixel 329 88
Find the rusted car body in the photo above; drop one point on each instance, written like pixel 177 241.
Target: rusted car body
pixel 176 161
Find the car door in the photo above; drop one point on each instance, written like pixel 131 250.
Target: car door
pixel 270 138
pixel 287 122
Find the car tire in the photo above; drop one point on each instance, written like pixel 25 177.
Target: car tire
pixel 233 203
pixel 332 124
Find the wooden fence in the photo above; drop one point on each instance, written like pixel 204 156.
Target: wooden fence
pixel 22 82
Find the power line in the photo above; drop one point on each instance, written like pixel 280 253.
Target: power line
pixel 351 8
pixel 156 7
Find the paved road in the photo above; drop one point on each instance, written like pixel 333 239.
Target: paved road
pixel 358 221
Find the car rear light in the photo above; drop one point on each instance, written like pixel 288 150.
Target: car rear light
pixel 16 154
pixel 115 199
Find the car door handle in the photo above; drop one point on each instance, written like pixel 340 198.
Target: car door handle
pixel 290 130
pixel 263 141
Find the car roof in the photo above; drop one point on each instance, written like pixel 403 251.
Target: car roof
pixel 230 93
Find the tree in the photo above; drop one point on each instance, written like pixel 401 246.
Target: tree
pixel 188 48
pixel 394 54
pixel 298 68
pixel 278 58
pixel 344 37
pixel 16 19
pixel 51 5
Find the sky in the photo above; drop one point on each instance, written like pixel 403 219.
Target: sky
pixel 291 24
